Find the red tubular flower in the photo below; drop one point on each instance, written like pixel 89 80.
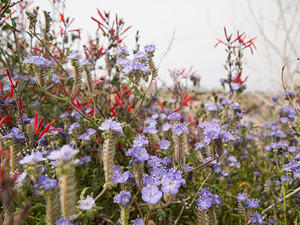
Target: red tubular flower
pixel 46 129
pixel 62 18
pixel 130 108
pixel 12 91
pixel 91 112
pixel 97 21
pixel 12 84
pixel 119 96
pixel 100 51
pixel 2 120
pixel 39 126
pixel 118 102
pixel 89 102
pixel 184 103
pixel 126 29
pixel 35 121
pixel 100 14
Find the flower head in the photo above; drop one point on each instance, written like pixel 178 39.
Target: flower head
pixel 63 221
pixel 87 204
pixel 47 183
pixel 164 144
pixel 66 153
pixel 123 198
pixel 139 154
pixel 179 129
pixel 74 56
pixel 138 221
pixel 204 203
pixel 140 141
pixel 149 48
pixel 241 197
pixel 257 218
pixel 111 125
pixel 36 60
pixel 252 204
pixel 151 194
pixel 32 158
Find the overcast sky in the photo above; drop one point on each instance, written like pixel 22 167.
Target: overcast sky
pixel 197 24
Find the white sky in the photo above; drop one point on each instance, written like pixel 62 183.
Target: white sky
pixel 197 23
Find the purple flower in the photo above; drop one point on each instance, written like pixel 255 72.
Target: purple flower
pixel 174 116
pixel 166 127
pixel 63 221
pixel 139 154
pixel 74 56
pixel 227 136
pixel 150 122
pixel 122 62
pixel 47 183
pixel 140 141
pixel 151 194
pixel 284 120
pixel 122 52
pixel 84 137
pixel 120 178
pixel 252 204
pixel 32 158
pixel 207 200
pixel 179 129
pixel 123 198
pixel 73 126
pixel 66 153
pixel 141 56
pixel 87 204
pixel 111 125
pixel 170 184
pixel 36 60
pixel 217 168
pixel 257 218
pixel 138 221
pixel 199 145
pixel 134 66
pixel 20 179
pixel 150 130
pixel 164 144
pixel 256 173
pixel 15 132
pixel 149 48
pixel 241 197
pixel 87 135
pixel 84 62
pixel 292 149
pixel 210 106
pixel 275 98
pixel 154 161
pixel 204 203
pixel 84 160
pixel 233 162
pixel 211 130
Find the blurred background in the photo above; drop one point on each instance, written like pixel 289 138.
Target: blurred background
pixel 185 33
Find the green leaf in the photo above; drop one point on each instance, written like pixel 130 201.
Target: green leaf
pixel 83 192
pixel 5 27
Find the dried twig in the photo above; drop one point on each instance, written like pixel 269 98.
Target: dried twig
pixel 285 86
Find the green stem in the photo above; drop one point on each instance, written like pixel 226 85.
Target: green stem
pixel 101 193
pixel 284 203
pixel 12 165
pixel 49 210
pixel 143 97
